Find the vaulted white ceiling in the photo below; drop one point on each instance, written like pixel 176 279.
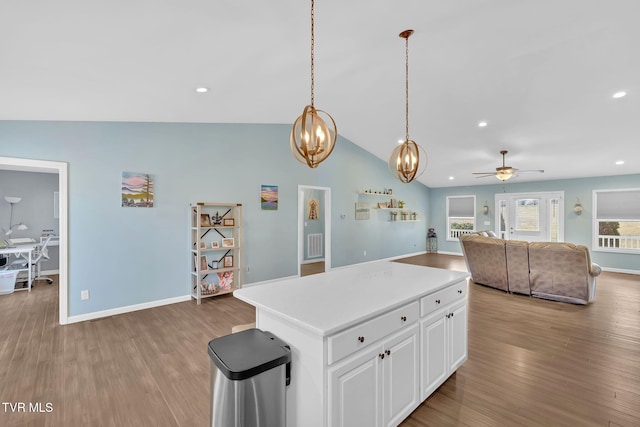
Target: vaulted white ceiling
pixel 541 73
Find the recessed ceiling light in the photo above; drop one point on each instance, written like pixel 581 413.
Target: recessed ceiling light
pixel 620 94
pixel 620 162
pixel 451 178
pixel 202 89
pixel 482 124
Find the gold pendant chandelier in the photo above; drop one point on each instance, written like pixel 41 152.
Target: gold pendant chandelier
pixel 408 160
pixel 312 140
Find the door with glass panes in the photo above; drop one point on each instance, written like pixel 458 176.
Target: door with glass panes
pixel 532 217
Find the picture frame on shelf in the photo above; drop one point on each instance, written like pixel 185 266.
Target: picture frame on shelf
pixel 228 261
pixel 203 245
pixel 228 222
pixel 382 205
pixel 228 242
pixel 215 244
pixel 205 220
pixel 214 265
pixel 204 264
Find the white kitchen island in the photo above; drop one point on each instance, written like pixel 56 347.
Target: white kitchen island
pixel 369 342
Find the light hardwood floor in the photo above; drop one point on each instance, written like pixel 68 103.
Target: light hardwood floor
pixel 531 362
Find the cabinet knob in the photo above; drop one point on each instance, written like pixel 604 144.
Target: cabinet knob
pixel 437 301
pixel 452 314
pixel 448 315
pixel 459 291
pixel 388 352
pixel 403 318
pixel 381 355
pixel 361 339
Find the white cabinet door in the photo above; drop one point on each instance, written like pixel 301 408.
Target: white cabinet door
pixel 457 335
pixel 400 391
pixel 380 386
pixel 354 391
pixel 434 352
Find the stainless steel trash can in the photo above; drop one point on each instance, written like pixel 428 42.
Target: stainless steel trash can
pixel 249 374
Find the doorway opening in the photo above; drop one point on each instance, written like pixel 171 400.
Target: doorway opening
pixel 60 168
pixel 314 229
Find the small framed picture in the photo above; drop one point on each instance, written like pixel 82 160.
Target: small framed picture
pixel 203 245
pixel 214 265
pixel 228 261
pixel 229 222
pixel 215 244
pixel 204 265
pixel 205 220
pixel 228 242
pixel 382 205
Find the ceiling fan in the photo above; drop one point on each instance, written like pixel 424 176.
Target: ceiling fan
pixel 503 173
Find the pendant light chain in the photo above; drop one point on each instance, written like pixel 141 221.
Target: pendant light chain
pixel 312 49
pixel 314 133
pixel 408 160
pixel 407 85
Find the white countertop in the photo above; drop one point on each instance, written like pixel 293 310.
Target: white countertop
pixel 330 302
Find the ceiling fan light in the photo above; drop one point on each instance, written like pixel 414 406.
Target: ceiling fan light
pixel 504 175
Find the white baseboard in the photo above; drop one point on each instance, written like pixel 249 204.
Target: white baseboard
pixel 620 270
pixel 449 253
pixel 127 309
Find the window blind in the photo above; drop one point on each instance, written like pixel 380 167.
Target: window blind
pixel 618 204
pixel 462 207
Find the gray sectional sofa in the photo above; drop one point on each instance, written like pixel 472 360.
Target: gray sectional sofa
pixel 551 270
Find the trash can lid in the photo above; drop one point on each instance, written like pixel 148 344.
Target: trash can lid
pixel 248 353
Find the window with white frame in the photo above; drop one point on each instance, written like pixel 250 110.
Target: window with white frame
pixel 461 216
pixel 616 225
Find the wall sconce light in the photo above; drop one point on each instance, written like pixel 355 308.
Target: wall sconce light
pixel 577 208
pixel 485 208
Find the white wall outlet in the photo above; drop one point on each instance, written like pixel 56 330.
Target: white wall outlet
pixel 487 223
pixel 84 295
pixel 365 253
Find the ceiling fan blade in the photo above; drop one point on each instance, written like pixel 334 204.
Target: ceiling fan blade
pixel 484 176
pixel 483 173
pixel 531 171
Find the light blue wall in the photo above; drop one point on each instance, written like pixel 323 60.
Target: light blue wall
pixel 577 228
pixel 127 256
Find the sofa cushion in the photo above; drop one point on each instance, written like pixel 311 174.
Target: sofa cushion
pixel 561 271
pixel 486 260
pixel 517 253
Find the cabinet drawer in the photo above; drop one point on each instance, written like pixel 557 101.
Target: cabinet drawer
pixel 442 298
pixel 360 336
